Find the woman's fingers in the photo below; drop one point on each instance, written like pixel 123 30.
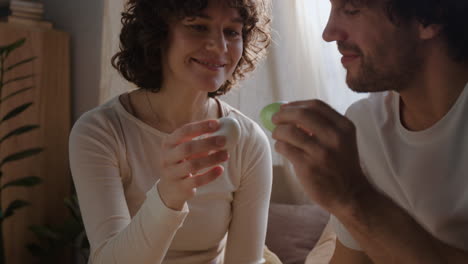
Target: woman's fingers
pixel 189 163
pixel 198 180
pixel 190 131
pixel 194 149
pixel 187 167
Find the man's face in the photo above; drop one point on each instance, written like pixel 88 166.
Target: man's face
pixel 377 54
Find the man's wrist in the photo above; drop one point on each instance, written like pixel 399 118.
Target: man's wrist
pixel 359 204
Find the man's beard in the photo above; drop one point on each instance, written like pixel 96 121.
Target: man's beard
pixel 394 76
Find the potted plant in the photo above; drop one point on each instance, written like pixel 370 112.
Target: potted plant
pixel 68 235
pixel 27 181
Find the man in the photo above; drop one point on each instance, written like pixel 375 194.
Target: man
pixel 394 171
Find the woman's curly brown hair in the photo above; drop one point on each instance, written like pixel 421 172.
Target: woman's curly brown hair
pixel 145 30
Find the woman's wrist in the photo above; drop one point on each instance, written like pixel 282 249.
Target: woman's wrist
pixel 167 199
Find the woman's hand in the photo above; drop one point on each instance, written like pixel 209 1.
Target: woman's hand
pixel 183 158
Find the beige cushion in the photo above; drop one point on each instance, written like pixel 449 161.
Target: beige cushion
pixel 323 250
pixel 293 230
pixel 270 257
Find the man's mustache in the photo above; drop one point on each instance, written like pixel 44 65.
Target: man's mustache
pixel 348 47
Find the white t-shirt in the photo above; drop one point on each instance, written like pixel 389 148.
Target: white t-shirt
pixel 424 172
pixel 114 162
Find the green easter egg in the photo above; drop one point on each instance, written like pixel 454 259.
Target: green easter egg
pixel 267 113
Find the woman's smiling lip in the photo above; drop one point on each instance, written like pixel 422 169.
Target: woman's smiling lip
pixel 210 64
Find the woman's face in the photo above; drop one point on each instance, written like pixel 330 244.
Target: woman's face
pixel 203 51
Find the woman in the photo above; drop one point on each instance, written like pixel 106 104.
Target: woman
pixel 135 166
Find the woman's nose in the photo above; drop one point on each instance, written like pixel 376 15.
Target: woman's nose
pixel 217 42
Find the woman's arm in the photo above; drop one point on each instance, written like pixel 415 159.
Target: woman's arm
pixel 247 231
pixel 113 235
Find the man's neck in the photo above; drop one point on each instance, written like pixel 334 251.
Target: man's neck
pixel 432 94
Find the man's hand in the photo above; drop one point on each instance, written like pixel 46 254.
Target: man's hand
pixel 321 145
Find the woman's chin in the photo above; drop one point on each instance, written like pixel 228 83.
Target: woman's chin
pixel 210 86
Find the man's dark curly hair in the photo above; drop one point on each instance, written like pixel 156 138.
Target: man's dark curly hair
pixel 145 31
pixel 451 14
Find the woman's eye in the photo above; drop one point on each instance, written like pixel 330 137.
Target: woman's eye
pixel 232 33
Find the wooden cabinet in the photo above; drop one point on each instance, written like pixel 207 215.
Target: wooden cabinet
pixel 50 94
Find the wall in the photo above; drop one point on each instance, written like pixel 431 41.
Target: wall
pixel 83 20
pixel 50 95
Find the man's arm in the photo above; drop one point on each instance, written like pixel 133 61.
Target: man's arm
pixel 388 234
pixel 346 255
pixel 321 145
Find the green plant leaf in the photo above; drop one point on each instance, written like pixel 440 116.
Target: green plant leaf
pixel 24 77
pixel 72 205
pixel 70 230
pixel 15 93
pixel 19 63
pixel 14 205
pixel 6 50
pixel 25 182
pixel 18 110
pixel 45 232
pixel 36 250
pixel 19 131
pixel 21 155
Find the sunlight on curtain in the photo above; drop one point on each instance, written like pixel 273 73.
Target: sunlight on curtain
pixel 320 57
pixel 300 65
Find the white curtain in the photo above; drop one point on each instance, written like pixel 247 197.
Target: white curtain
pixel 111 83
pixel 300 65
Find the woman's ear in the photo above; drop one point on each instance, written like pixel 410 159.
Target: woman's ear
pixel 430 31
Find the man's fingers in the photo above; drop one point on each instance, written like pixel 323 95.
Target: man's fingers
pixel 312 122
pixel 296 137
pixel 293 154
pixel 190 131
pixel 319 106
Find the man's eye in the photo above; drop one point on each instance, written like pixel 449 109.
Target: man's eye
pixel 351 12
